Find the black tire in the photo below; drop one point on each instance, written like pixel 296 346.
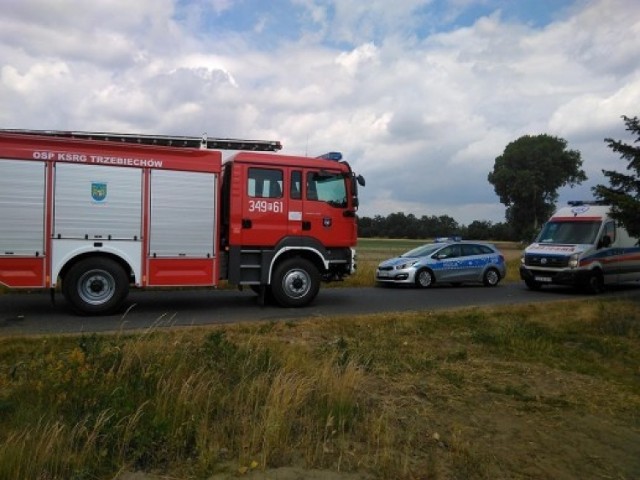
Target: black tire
pixel 533 285
pixel 295 282
pixel 595 283
pixel 424 278
pixel 96 286
pixel 491 277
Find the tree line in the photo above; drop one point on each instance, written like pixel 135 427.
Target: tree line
pixel 526 178
pixel 401 225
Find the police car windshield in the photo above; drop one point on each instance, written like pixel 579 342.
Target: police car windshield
pixel 422 251
pixel 569 232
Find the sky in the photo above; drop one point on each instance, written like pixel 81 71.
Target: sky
pixel 420 96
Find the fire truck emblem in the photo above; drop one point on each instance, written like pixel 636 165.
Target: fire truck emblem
pixel 98 191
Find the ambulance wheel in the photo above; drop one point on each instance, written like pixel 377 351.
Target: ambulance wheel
pixel 595 283
pixel 533 285
pixel 295 282
pixel 95 286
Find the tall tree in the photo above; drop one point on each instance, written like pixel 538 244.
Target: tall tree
pixel 623 194
pixel 527 177
pixel 480 230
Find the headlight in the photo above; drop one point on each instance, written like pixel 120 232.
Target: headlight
pixel 522 262
pixel 573 260
pixel 404 266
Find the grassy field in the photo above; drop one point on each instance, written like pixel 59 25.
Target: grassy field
pixel 540 391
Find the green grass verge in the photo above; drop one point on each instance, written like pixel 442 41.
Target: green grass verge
pixel 524 392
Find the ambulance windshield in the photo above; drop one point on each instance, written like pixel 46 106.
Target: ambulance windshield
pixel 570 232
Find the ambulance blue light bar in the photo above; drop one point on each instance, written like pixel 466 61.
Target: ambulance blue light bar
pixel 335 156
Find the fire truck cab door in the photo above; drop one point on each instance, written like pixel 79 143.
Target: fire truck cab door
pixel 264 214
pixel 291 201
pixel 325 212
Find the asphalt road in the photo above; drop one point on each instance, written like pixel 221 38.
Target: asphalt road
pixel 33 313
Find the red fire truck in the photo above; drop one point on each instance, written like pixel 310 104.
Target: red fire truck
pixel 98 213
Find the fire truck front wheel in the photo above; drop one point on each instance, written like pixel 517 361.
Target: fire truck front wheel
pixel 296 282
pixel 95 286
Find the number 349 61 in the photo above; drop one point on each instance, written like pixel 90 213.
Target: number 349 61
pixel 264 206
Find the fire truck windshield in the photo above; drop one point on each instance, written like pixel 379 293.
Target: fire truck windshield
pixel 327 187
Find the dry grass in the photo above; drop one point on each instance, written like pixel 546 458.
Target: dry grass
pixel 535 391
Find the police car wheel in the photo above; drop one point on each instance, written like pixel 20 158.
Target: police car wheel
pixel 424 278
pixel 491 278
pixel 95 286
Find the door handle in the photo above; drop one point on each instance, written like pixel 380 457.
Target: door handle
pixel 246 223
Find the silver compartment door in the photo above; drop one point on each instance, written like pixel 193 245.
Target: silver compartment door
pixel 21 207
pixel 97 202
pixel 182 214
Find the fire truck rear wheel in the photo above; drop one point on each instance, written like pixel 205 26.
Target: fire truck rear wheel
pixel 95 286
pixel 296 282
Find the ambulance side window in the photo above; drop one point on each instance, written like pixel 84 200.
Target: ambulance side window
pixel 264 183
pixel 610 232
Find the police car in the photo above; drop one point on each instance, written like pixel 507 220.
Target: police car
pixel 453 262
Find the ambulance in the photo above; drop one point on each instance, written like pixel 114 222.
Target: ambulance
pixel 582 246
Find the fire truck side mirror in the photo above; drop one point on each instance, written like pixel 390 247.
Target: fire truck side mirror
pixel 360 180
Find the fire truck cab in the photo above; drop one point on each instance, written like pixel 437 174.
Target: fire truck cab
pixel 96 213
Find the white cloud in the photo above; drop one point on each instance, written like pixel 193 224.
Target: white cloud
pixel 586 115
pixel 351 61
pixel 422 115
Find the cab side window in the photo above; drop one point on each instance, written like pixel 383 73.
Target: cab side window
pixel 264 183
pixel 295 190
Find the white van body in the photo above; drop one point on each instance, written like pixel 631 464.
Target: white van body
pixel 581 245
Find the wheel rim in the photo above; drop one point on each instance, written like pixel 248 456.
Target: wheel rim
pixel 296 283
pixel 492 277
pixel 96 287
pixel 424 278
pixel 596 283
